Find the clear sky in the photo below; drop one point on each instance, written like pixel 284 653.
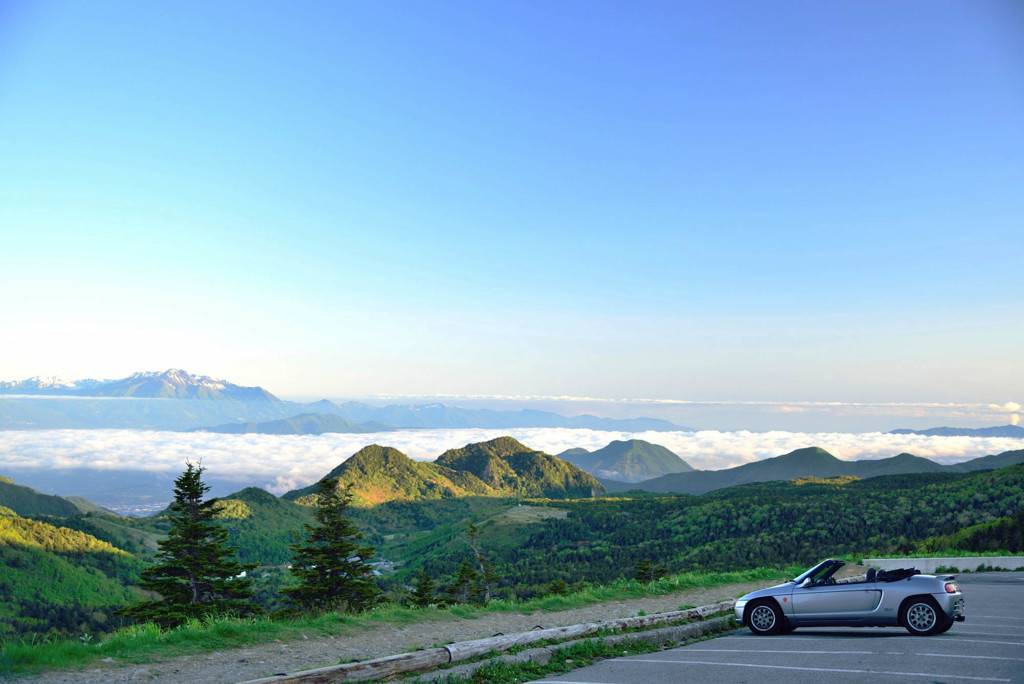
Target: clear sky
pixel 771 201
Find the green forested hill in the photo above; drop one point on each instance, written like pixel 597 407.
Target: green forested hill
pixel 499 468
pixel 57 579
pixel 815 462
pixel 752 525
pixel 516 470
pixel 632 460
pixel 261 525
pixel 27 501
pixel 380 474
pixel 1007 458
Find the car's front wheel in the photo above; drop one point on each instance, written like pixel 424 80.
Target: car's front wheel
pixel 922 617
pixel 764 618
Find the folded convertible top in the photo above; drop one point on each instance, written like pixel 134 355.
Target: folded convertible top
pixel 896 575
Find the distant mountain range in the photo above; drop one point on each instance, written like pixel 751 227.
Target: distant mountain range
pixel 809 462
pixel 170 384
pixel 447 416
pixel 501 467
pixel 302 424
pixel 997 431
pixel 632 461
pixel 188 402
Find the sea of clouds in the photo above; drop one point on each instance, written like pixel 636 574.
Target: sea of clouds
pixel 280 463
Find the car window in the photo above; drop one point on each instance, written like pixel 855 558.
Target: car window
pixel 820 572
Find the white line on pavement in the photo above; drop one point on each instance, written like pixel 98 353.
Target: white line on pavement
pixel 985 641
pixel 951 655
pixel 813 669
pixel 690 649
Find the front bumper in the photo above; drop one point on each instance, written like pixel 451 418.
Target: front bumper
pixel 738 609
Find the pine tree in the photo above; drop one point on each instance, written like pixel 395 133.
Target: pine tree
pixel 330 565
pixel 196 573
pixel 422 590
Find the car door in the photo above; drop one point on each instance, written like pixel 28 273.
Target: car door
pixel 835 602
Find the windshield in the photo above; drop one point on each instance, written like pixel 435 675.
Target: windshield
pixel 820 571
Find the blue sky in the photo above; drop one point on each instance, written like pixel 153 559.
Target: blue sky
pixel 781 201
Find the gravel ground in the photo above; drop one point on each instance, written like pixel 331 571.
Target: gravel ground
pixel 374 641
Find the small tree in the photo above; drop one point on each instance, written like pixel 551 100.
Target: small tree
pixel 422 590
pixel 330 565
pixel 486 576
pixel 466 585
pixel 196 573
pixel 647 571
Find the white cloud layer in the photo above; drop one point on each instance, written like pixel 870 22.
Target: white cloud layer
pixel 280 463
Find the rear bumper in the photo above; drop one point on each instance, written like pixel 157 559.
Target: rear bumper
pixel 952 605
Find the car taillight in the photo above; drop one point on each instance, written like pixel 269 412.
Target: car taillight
pixel 952 587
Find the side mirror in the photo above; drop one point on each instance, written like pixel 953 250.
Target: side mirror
pixel 807 583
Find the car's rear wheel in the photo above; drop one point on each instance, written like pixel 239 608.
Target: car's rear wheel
pixel 922 617
pixel 764 617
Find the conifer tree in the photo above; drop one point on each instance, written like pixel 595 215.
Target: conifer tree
pixel 196 573
pixel 466 584
pixel 422 590
pixel 647 571
pixel 330 564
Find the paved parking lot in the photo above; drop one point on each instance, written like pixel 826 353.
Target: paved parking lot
pixel 988 647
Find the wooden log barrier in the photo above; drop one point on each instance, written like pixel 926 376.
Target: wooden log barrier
pixel 420 661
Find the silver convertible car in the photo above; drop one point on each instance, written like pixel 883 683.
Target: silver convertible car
pixel 923 604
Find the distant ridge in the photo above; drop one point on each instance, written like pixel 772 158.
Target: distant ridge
pixel 996 431
pixel 631 461
pixel 303 424
pixel 446 416
pixel 812 462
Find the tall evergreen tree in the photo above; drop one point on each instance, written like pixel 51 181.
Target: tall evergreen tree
pixel 196 573
pixel 330 565
pixel 422 590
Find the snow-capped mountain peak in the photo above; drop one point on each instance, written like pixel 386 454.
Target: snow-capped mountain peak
pixel 170 384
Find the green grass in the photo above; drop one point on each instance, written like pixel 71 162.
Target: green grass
pixel 144 643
